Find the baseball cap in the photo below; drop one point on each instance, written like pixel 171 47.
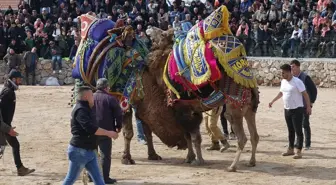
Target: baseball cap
pixel 14 74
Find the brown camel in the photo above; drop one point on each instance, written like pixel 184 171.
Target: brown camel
pixel 182 119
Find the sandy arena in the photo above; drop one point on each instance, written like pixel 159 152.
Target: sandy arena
pixel 42 120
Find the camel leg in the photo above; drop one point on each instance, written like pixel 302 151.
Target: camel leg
pixel 197 140
pixel 152 155
pixel 128 135
pixel 250 118
pixel 235 116
pixel 191 156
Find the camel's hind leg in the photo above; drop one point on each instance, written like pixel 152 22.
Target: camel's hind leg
pixel 128 135
pixel 250 118
pixel 235 117
pixel 152 155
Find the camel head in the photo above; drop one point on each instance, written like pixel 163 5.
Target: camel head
pixel 162 45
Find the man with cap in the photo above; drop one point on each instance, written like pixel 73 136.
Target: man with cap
pixel 109 117
pixel 7 109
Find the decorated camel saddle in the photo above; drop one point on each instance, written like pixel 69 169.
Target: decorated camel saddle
pixel 109 50
pixel 205 54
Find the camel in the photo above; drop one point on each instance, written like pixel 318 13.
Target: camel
pixel 190 116
pixel 174 118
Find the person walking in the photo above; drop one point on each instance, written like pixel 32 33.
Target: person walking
pixel 7 110
pixel 30 59
pixel 211 119
pixel 81 151
pixel 312 92
pixel 109 117
pixel 292 89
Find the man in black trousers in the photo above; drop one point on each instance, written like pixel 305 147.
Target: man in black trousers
pixel 312 92
pixel 7 110
pixel 293 91
pixel 108 116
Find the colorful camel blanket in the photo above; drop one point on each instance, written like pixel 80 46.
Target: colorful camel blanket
pixel 193 63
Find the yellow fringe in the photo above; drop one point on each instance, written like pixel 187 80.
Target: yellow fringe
pixel 224 29
pixel 165 79
pixel 223 60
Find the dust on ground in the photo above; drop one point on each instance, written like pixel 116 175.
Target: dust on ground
pixel 43 120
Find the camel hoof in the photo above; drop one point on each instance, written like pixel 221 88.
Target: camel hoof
pixel 154 157
pixel 127 161
pixel 251 164
pixel 224 148
pixel 197 162
pixel 190 159
pixel 232 169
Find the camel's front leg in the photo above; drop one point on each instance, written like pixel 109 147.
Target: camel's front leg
pixel 128 135
pixel 197 140
pixel 191 156
pixel 152 155
pixel 250 118
pixel 235 117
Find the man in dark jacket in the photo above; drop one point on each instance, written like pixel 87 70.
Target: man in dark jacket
pixel 7 106
pixel 109 117
pixel 312 92
pixel 12 60
pixel 30 59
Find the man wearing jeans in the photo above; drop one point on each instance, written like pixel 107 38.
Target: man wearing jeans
pixel 141 136
pixel 56 56
pixel 292 89
pixel 312 92
pixel 108 116
pixel 81 151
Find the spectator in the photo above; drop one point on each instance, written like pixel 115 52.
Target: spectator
pixel 15 46
pixel 12 60
pixel 56 56
pixel 29 41
pixel 57 32
pixel 9 11
pixel 295 40
pixel 102 14
pixel 86 7
pixel 73 50
pixel 30 60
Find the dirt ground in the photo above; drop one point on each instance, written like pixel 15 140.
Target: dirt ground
pixel 43 115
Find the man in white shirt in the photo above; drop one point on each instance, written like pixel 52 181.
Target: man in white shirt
pixel 292 89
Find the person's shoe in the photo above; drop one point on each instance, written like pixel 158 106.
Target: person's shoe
pixel 54 72
pixel 290 151
pixel 60 71
pixel 214 146
pixel 141 141
pixel 110 181
pixel 298 154
pixel 225 146
pixel 23 171
pixel 307 148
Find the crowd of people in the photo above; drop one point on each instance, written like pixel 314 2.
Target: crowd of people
pixel 301 28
